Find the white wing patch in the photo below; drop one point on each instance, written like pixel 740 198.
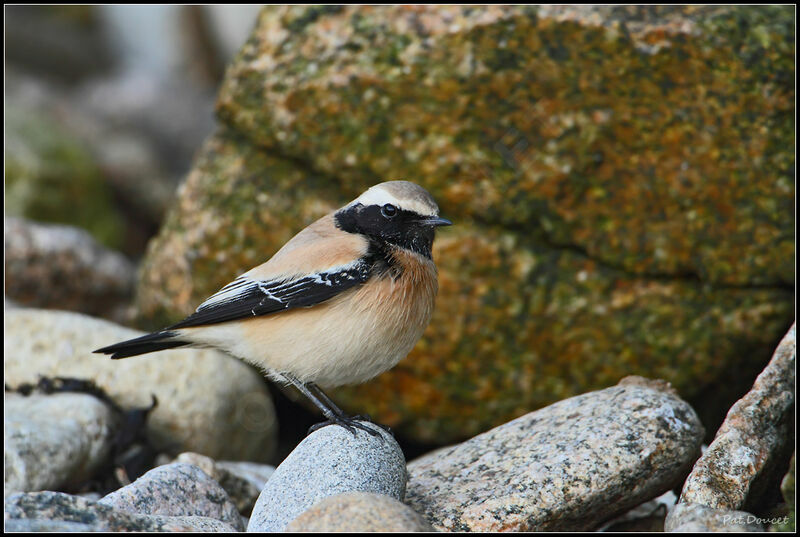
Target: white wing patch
pixel 281 290
pixel 230 292
pixel 245 297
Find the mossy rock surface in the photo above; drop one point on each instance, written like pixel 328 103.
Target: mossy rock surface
pixel 659 141
pixel 52 177
pixel 619 207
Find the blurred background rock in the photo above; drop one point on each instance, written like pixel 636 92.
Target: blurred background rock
pixel 621 178
pixel 105 107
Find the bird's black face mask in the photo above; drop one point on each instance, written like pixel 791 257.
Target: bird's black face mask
pixel 388 224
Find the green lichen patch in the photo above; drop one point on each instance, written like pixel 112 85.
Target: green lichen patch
pixel 51 177
pixel 658 141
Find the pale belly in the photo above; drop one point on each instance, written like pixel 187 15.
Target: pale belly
pixel 348 340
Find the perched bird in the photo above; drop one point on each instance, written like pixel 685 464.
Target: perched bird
pixel 343 301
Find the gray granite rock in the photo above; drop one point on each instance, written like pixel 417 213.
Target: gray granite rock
pixel 24 525
pixel 256 473
pixel 242 489
pixel 752 447
pixel 57 266
pixel 201 523
pixel 93 496
pixel 327 462
pixel 53 441
pixel 176 489
pixel 648 516
pixel 48 509
pixel 359 512
pixel 567 467
pixel 208 402
pixel 692 517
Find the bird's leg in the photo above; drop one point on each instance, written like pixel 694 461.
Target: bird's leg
pixel 329 409
pixel 322 395
pixel 362 417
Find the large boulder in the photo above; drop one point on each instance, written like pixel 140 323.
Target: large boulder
pixel 619 208
pixel 622 132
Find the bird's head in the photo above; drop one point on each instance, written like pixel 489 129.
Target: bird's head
pixel 395 213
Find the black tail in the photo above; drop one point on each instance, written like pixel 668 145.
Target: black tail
pixel 157 341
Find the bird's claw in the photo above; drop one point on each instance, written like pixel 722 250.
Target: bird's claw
pixel 365 417
pixel 351 424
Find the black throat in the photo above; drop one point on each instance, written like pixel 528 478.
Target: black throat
pixel 403 230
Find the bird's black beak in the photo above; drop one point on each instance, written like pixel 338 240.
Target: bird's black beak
pixel 435 221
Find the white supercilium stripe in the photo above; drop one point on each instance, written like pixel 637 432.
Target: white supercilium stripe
pixel 378 196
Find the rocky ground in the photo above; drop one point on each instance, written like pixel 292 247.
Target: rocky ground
pixel 580 464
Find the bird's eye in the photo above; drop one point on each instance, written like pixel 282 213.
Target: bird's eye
pixel 389 210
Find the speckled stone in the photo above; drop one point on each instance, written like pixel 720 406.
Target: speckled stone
pixel 648 516
pixel 46 509
pixel 52 266
pixel 53 441
pixel 176 489
pixel 693 517
pixel 568 467
pixel 240 483
pixel 600 228
pixel 587 124
pixel 327 462
pixel 255 473
pixel 754 443
pixel 359 512
pixel 203 523
pixel 19 525
pixel 207 402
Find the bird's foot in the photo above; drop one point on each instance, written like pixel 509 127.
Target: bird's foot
pixel 351 424
pixel 365 417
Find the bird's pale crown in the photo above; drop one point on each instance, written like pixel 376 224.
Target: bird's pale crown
pixel 402 194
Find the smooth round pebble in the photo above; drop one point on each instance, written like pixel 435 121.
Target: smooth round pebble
pixel 359 512
pixel 56 440
pixel 327 462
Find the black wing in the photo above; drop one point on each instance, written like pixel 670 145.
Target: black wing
pixel 245 297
